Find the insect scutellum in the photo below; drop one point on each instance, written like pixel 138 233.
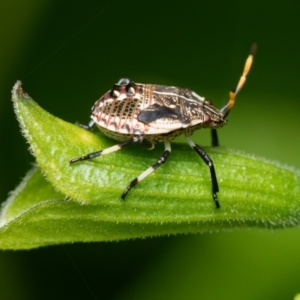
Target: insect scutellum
pixel 132 112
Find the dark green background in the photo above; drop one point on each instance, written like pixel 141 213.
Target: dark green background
pixel 68 53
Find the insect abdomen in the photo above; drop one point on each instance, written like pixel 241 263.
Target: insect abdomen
pixel 118 110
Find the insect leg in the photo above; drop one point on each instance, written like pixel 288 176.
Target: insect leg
pixel 214 138
pixel 159 162
pixel 88 126
pixel 123 81
pixel 107 150
pixel 209 162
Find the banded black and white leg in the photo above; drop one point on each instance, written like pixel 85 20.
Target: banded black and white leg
pixel 89 126
pixel 214 138
pixel 117 147
pixel 114 148
pixel 210 164
pixel 143 175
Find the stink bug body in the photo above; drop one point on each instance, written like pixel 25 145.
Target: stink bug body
pixel 132 112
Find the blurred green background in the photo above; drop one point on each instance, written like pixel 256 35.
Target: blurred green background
pixel 68 53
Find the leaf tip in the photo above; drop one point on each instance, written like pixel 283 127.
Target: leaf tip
pixel 18 92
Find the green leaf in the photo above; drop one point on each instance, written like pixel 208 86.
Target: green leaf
pixel 82 202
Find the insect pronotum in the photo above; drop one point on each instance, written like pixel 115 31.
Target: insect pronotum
pixel 132 112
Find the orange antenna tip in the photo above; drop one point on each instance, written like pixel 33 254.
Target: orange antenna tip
pixel 232 94
pixel 247 68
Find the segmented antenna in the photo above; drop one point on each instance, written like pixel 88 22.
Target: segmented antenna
pixel 232 94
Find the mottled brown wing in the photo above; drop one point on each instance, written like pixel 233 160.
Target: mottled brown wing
pixel 162 117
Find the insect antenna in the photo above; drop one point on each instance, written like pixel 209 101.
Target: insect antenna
pixel 227 108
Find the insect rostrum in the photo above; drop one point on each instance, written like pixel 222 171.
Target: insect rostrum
pixel 132 112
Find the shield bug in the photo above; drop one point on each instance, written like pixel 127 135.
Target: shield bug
pixel 132 112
